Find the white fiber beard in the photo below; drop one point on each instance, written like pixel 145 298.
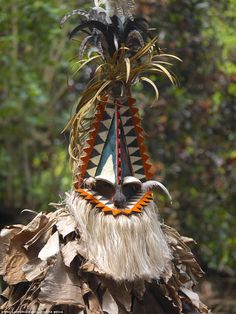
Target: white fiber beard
pixel 124 247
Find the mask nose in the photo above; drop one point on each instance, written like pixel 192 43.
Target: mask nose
pixel 119 198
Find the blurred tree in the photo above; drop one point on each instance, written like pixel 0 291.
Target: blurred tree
pixel 192 129
pixel 192 134
pixel 35 103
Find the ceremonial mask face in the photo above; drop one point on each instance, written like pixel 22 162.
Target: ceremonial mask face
pixel 114 162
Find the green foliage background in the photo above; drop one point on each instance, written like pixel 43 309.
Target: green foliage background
pixel 191 130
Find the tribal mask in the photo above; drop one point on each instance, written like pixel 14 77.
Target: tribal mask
pixel 110 163
pixel 114 163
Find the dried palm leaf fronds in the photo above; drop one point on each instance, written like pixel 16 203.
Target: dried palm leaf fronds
pixel 115 76
pixel 61 282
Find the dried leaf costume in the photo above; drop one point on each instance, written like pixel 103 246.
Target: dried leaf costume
pixel 104 249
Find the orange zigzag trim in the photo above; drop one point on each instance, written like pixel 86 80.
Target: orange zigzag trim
pixel 146 198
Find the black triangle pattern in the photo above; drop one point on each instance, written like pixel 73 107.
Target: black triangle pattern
pixel 136 154
pixel 91 165
pixel 106 116
pixel 131 133
pixel 102 128
pixel 132 142
pixel 140 171
pixel 125 112
pixel 99 141
pixel 138 162
pixel 95 153
pixel 129 122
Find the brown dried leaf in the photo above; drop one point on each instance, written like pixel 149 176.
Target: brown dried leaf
pixel 16 259
pixel 7 293
pixel 70 251
pixel 92 268
pixel 185 269
pixel 43 232
pixel 65 223
pixel 17 254
pixel 188 240
pixel 94 306
pixel 168 272
pixel 121 292
pixel 85 288
pixel 161 295
pixel 51 248
pixel 108 304
pixel 35 269
pixel 203 308
pixel 61 286
pixel 40 220
pixel 173 295
pixel 193 296
pixel 6 235
pixel 182 253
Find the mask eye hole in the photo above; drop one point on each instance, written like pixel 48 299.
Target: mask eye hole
pixel 130 190
pixel 131 186
pixel 105 189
